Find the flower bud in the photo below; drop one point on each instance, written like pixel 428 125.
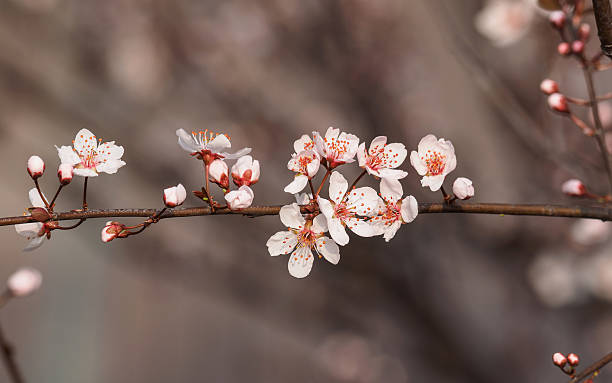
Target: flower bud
pixel 245 171
pixel 218 173
pixel 558 102
pixel 64 173
pixel 564 49
pixel 573 359
pixel 548 86
pixel 111 230
pixel 559 359
pixel 463 188
pixel 40 214
pixel 578 46
pixel 557 19
pixel 584 31
pixel 36 167
pixel 574 188
pixel 175 195
pixel 24 282
pixel 240 199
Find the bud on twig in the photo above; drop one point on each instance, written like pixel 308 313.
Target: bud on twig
pixel 548 86
pixel 64 173
pixel 463 188
pixel 218 172
pixel 564 49
pixel 36 167
pixel 573 359
pixel 557 19
pixel 574 188
pixel 175 195
pixel 558 102
pixel 578 47
pixel 559 359
pixel 24 282
pixel 584 32
pixel 111 231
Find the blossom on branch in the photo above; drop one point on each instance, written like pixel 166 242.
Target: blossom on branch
pixel 89 158
pixel 433 160
pixel 111 231
pixel 36 167
pixel 348 209
pixel 64 173
pixel 175 196
pixel 208 145
pixel 381 159
pixel 393 211
pixel 245 171
pixel 24 282
pixel 218 172
pixel 336 148
pixel 33 231
pixel 240 199
pixel 306 165
pixel 463 188
pixel 574 188
pixel 302 237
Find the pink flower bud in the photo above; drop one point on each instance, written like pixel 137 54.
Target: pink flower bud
pixel 36 167
pixel 564 49
pixel 584 31
pixel 578 46
pixel 558 102
pixel 573 359
pixel 549 86
pixel 559 359
pixel 64 173
pixel 175 195
pixel 218 173
pixel 245 171
pixel 240 199
pixel 574 188
pixel 463 188
pixel 557 19
pixel 24 282
pixel 111 230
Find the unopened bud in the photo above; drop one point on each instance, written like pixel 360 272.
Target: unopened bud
pixel 463 188
pixel 175 195
pixel 557 19
pixel 36 167
pixel 24 282
pixel 574 188
pixel 559 359
pixel 64 173
pixel 578 46
pixel 564 49
pixel 558 102
pixel 218 172
pixel 584 31
pixel 240 199
pixel 549 86
pixel 573 359
pixel 111 231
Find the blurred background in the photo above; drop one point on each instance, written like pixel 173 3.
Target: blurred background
pixel 453 298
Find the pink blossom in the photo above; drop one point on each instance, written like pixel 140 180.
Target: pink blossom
pixel 218 173
pixel 175 196
pixel 89 158
pixel 36 166
pixel 245 171
pixel 240 199
pixel 559 359
pixel 433 160
pixel 111 231
pixel 463 188
pixel 382 159
pixel 574 187
pixel 548 86
pixel 64 173
pixel 558 102
pixel 336 148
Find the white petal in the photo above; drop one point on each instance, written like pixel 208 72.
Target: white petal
pixel 303 143
pixel 319 144
pixel 364 228
pixel 396 154
pixel 110 166
pixel 219 143
pixel 34 243
pixel 297 185
pixel 109 151
pixel 337 231
pixel 35 199
pixel 391 230
pixel 395 174
pixel 319 224
pixel 238 154
pixel 434 182
pixel 328 249
pixel 67 155
pixel 377 144
pixel 428 142
pixel 391 190
pixel 282 242
pixel 313 166
pixel 187 142
pixel 363 201
pixel 85 141
pixel 326 207
pixel 337 187
pixel 410 209
pixel 300 262
pixel 243 164
pixel 29 230
pixel 361 155
pixel 417 164
pixel 291 217
pixel 332 134
pixel 85 172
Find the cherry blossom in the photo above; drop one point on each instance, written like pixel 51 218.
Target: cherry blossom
pixel 434 160
pixel 301 239
pixel 558 103
pixel 303 198
pixel 240 199
pixel 336 148
pixel 33 231
pixel 463 188
pixel 36 167
pixel 574 188
pixel 304 143
pixel 382 158
pixel 344 209
pixel 24 282
pixel 175 196
pixel 393 211
pixel 306 165
pixel 90 158
pixel 208 145
pixel 548 86
pixel 64 173
pixel 245 171
pixel 218 172
pixel 111 231
pixel 504 22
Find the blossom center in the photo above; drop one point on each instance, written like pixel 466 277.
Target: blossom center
pixel 336 148
pixel 202 138
pixel 435 162
pixel 342 212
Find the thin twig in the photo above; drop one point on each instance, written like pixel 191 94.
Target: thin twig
pixel 601 212
pixel 592 368
pixel 85 193
pixel 322 182
pixel 8 356
pixel 41 194
pixel 52 203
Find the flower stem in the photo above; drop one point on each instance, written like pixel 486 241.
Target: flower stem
pixel 85 193
pixel 311 187
pixel 314 196
pixel 447 197
pixel 52 204
pixel 363 173
pixel 8 355
pixel 41 194
pixel 210 200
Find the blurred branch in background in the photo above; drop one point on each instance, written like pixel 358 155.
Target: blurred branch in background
pixel 603 19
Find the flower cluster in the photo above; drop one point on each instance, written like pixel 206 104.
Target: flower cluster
pixel 362 210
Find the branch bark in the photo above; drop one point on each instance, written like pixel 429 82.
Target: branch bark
pixel 8 355
pixel 601 212
pixel 603 19
pixel 592 368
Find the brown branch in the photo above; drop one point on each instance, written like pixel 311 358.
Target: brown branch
pixel 8 355
pixel 603 19
pixel 601 212
pixel 592 368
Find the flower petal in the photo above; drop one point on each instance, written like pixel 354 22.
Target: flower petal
pixel 238 154
pixel 187 142
pixel 282 242
pixel 85 142
pixel 29 230
pixel 303 143
pixel 364 228
pixel 396 154
pixel 337 231
pixel 35 199
pixel 391 230
pixel 434 182
pixel 329 249
pixel 67 155
pixel 319 224
pixel 34 243
pixel 219 143
pixel 300 262
pixel 410 209
pixel 109 151
pixel 338 186
pixel 326 207
pixel 361 155
pixel 291 216
pixel 395 174
pixel 85 172
pixel 378 143
pixel 109 167
pixel 391 190
pixel 297 185
pixel 417 164
pixel 363 201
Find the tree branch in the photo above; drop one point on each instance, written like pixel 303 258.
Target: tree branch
pixel 603 19
pixel 601 212
pixel 8 355
pixel 592 368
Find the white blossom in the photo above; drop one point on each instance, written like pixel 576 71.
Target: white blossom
pixel 336 148
pixel 33 231
pixel 208 144
pixel 245 171
pixel 433 160
pixel 382 159
pixel 89 158
pixel 306 165
pixel 175 195
pixel 24 282
pixel 36 166
pixel 504 22
pixel 393 211
pixel 463 188
pixel 241 198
